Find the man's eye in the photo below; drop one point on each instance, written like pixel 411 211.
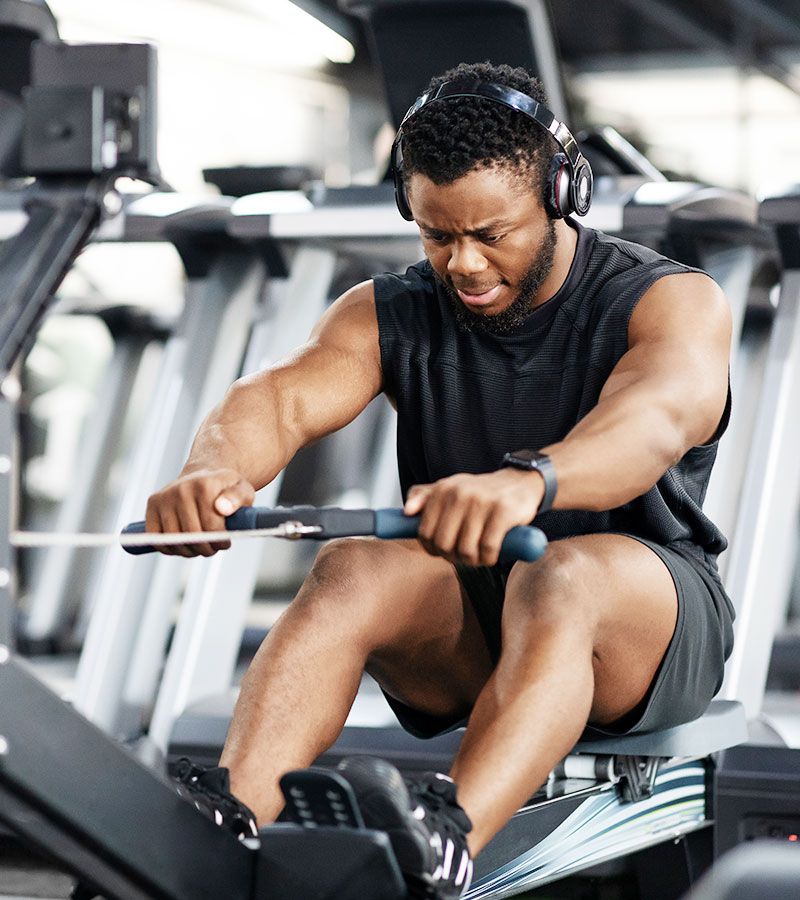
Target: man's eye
pixel 492 238
pixel 438 237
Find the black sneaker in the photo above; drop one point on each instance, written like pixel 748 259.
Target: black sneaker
pixel 209 790
pixel 426 826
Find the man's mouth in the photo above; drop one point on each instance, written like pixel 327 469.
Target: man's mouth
pixel 478 298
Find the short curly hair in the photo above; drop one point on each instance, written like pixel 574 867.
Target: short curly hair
pixel 450 138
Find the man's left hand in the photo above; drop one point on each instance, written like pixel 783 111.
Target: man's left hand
pixel 464 518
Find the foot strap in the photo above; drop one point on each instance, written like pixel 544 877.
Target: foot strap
pixel 332 856
pixel 320 798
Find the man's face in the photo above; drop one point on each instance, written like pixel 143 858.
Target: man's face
pixel 490 241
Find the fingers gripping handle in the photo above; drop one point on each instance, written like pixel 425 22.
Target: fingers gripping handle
pixel 523 542
pixel 241 520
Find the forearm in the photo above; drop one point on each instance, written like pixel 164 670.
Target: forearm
pixel 264 419
pixel 250 431
pixel 615 455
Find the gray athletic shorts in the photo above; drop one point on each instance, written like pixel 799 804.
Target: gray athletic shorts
pixel 689 675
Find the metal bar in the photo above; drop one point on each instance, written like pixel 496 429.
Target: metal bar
pixel 149 539
pixel 61 575
pixel 62 216
pixel 732 268
pixel 678 23
pixel 8 578
pixel 781 25
pixel 686 28
pixel 544 46
pixel 759 569
pixel 241 301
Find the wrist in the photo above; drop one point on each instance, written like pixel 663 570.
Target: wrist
pixel 534 461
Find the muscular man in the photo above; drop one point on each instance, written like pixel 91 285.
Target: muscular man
pixel 521 331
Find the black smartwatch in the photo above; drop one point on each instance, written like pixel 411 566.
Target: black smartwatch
pixel 533 461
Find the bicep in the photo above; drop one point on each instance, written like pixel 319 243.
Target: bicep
pixel 330 379
pixel 678 355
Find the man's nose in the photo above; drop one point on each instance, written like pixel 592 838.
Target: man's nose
pixel 466 258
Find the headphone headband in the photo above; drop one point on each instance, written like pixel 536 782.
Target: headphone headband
pixel 579 189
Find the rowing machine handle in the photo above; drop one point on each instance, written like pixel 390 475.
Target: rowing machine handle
pixel 523 542
pixel 244 519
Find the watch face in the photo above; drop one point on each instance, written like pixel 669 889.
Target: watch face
pixel 524 459
pixel 529 458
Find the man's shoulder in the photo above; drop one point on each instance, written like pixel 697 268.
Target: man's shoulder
pixel 407 305
pixel 624 250
pixel 418 278
pixel 615 274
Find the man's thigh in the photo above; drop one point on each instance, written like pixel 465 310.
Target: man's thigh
pixel 618 593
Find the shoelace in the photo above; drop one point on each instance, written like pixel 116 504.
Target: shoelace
pixel 448 824
pixel 438 796
pixel 214 785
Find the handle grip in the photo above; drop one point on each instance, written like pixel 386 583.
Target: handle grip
pixel 242 520
pixel 522 542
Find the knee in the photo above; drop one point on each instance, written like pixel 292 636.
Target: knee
pixel 343 563
pixel 344 582
pixel 556 588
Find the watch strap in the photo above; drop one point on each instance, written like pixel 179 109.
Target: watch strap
pixel 533 461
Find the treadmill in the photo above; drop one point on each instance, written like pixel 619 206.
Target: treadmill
pixel 757 783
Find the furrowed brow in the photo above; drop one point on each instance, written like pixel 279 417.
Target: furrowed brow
pixel 491 228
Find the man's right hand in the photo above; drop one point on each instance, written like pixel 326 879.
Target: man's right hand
pixel 199 500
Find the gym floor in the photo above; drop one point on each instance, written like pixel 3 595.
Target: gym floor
pixel 24 876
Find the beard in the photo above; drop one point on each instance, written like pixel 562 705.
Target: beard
pixel 521 306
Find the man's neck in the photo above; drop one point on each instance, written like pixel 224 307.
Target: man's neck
pixel 566 243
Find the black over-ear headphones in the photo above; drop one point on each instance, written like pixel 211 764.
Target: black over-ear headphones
pixel 568 186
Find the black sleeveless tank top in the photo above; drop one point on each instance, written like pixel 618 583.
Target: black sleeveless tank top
pixel 464 398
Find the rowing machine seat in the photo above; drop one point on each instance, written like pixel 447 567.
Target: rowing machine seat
pixel 722 725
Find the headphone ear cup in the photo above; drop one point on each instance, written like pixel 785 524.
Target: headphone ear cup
pixel 400 195
pixel 581 188
pixel 557 188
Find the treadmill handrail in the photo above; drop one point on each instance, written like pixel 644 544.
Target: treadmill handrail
pixel 62 214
